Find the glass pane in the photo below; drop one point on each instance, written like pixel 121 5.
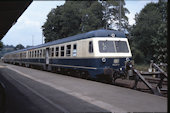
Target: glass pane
pixel 121 47
pixel 106 47
pixel 90 47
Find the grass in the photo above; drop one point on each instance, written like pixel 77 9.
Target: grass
pixel 142 67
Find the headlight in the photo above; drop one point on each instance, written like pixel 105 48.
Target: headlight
pixel 103 60
pixel 127 59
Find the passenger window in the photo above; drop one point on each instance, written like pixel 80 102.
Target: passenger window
pixel 38 53
pixel 75 50
pixel 90 47
pixel 57 51
pixel 68 50
pixel 43 52
pixel 32 54
pixel 28 54
pixel 49 52
pixel 62 50
pixel 35 54
pixel 52 52
pixel 24 55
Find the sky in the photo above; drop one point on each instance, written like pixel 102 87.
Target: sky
pixel 28 31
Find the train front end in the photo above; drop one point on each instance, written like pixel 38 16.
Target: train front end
pixel 114 57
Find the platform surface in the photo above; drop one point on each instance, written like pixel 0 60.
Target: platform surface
pixel 70 94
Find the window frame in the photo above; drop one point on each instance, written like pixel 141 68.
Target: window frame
pixel 38 53
pixel 62 51
pixel 68 50
pixel 74 50
pixel 44 53
pixel 52 52
pixel 57 51
pixel 90 47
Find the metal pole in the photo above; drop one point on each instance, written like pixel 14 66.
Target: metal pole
pixel 120 15
pixel 42 38
pixel 106 15
pixel 32 40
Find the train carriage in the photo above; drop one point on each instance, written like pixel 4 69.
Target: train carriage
pixel 95 54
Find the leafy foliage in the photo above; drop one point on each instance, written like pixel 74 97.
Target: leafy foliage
pixel 1 45
pixel 148 36
pixel 6 49
pixel 19 46
pixel 112 14
pixel 73 18
pixel 76 17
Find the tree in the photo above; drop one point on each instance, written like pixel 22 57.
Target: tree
pixel 76 17
pixel 73 18
pixel 6 49
pixel 92 17
pixel 115 19
pixel 19 46
pixel 160 41
pixel 28 46
pixel 148 35
pixel 1 45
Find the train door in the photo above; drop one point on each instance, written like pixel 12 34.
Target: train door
pixel 47 56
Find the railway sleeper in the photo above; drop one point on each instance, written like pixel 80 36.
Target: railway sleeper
pixel 155 90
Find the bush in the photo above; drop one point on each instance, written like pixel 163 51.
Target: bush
pixel 138 56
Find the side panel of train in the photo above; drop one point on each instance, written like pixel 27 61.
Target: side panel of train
pixel 92 56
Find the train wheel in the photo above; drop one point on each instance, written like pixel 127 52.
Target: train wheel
pixel 84 75
pixel 113 81
pixel 114 77
pixel 79 74
pixel 26 65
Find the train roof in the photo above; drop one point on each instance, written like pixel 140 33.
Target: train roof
pixel 90 34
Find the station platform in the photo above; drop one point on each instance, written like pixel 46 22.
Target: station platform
pixel 51 92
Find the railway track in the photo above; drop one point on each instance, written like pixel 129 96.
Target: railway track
pixel 141 86
pixel 150 82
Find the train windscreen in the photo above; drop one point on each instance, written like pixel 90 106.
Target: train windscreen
pixel 121 47
pixel 113 47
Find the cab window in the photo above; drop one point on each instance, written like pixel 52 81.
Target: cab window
pixel 121 47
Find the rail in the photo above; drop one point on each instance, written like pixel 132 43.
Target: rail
pixel 145 81
pixel 155 91
pixel 161 78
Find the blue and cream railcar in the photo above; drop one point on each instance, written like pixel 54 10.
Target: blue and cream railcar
pixel 96 53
